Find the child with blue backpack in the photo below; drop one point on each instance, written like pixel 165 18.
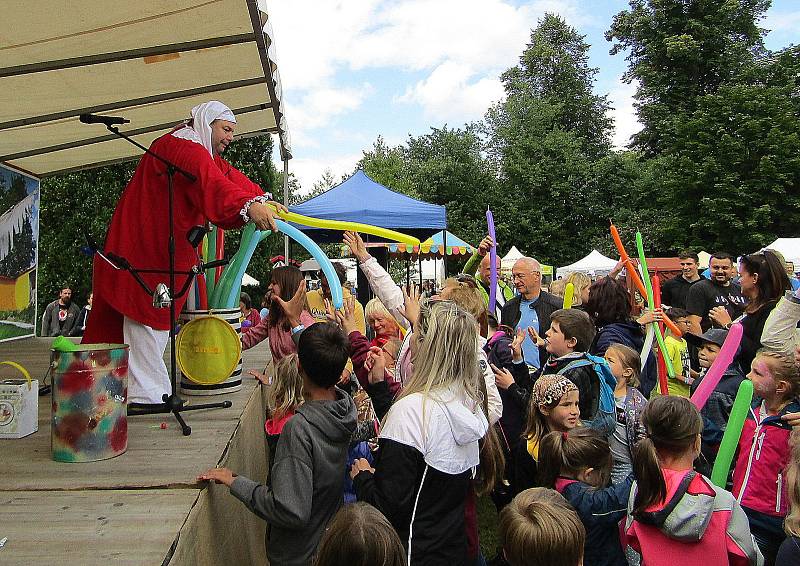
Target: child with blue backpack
pixel 625 364
pixel 567 341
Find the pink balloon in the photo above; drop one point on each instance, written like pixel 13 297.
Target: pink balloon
pixel 714 374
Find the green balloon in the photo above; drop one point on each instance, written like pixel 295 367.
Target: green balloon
pixel 730 440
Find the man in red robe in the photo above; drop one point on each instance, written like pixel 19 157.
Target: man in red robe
pixel 122 312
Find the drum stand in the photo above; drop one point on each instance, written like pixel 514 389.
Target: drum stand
pixel 173 403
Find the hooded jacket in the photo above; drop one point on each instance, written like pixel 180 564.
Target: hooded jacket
pixel 600 511
pixel 628 333
pixel 428 455
pixel 698 523
pixel 759 477
pixel 307 479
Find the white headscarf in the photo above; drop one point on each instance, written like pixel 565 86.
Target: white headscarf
pixel 202 116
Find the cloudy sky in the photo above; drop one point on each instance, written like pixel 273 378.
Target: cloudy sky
pixel 356 69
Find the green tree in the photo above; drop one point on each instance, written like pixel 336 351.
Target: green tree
pixel 736 163
pixel 386 165
pixel 680 50
pixel 447 167
pixel 546 140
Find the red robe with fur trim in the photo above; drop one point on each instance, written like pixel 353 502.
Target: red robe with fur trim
pixel 139 232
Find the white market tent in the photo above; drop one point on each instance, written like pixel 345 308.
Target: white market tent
pixel 508 260
pixel 148 61
pixel 249 281
pixel 789 248
pixel 595 263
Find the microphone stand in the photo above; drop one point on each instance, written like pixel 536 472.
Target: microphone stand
pixel 173 403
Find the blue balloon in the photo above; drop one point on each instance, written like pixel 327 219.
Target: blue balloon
pixel 315 251
pixel 236 288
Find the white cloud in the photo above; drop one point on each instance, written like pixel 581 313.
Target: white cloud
pixel 462 45
pixel 452 93
pixel 624 113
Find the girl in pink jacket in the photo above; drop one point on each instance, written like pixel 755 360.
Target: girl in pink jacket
pixel 674 513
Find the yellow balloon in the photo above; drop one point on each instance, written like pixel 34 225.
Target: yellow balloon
pixel 569 295
pixel 352 226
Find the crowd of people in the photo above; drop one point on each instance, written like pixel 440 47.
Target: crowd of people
pixel 388 421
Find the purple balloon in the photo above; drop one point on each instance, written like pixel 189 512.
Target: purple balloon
pixel 493 263
pixel 247 323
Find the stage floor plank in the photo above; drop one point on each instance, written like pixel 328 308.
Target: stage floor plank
pixel 92 527
pixel 155 457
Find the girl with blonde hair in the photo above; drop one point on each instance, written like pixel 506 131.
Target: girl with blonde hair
pixel 429 449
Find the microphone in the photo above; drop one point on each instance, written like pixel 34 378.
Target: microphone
pixel 107 120
pixel 216 263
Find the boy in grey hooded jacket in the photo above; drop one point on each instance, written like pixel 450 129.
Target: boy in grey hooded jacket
pixel 307 474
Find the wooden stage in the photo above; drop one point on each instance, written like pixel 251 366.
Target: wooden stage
pixel 144 506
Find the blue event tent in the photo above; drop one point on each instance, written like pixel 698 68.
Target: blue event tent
pixel 360 199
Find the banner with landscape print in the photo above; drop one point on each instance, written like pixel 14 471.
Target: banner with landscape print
pixel 19 236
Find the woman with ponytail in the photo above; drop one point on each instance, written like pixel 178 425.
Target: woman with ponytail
pixel 674 512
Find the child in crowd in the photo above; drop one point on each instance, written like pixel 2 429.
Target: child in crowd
pixel 678 352
pixel 553 407
pixel 539 528
pixel 789 552
pixel 285 283
pixel 717 410
pixel 429 450
pixel 578 464
pixel 759 477
pixel 307 481
pixel 570 334
pixel 625 364
pixel 359 535
pixel 284 396
pixel 676 515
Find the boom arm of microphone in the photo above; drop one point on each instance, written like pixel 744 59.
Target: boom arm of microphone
pixel 106 120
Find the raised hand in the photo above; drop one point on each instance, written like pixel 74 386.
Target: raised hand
pixel 411 305
pixel 502 377
pixel 346 316
pixel 356 244
pixel 294 307
pixel 535 338
pixel 485 245
pixel 516 345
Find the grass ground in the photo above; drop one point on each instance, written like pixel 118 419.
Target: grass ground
pixel 487 526
pixel 11 331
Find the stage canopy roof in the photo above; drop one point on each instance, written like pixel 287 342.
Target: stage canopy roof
pixel 149 61
pixel 360 199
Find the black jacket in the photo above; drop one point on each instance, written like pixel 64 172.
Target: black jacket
pixel 544 307
pixel 437 504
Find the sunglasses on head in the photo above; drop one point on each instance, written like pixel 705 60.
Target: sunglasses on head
pixel 467 279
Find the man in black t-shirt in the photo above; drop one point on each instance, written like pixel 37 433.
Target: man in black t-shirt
pixel 705 296
pixel 674 291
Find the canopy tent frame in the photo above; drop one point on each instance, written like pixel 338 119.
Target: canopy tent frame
pixel 44 141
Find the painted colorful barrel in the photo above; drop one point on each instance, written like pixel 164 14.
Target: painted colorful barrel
pixel 232 383
pixel 89 412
